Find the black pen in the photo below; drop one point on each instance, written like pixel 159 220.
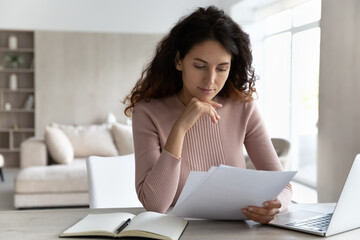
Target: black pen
pixel 123 226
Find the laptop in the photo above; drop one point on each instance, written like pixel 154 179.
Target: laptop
pixel 327 219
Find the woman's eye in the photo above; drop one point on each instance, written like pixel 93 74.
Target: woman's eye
pixel 221 69
pixel 199 66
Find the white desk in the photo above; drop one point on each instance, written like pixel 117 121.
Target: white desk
pixel 48 224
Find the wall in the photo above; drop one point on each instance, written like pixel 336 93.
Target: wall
pixel 117 16
pixel 339 95
pixel 80 77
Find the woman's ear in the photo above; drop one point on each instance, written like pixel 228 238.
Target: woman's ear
pixel 178 64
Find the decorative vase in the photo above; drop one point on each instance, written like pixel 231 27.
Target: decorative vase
pixel 7 106
pixel 29 102
pixel 13 82
pixel 13 42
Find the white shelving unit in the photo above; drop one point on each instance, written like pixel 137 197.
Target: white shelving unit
pixel 17 123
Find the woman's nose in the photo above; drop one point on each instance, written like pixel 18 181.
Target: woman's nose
pixel 211 76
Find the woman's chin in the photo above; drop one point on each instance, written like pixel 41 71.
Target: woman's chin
pixel 206 98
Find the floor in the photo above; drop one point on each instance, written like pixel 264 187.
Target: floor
pixel 301 193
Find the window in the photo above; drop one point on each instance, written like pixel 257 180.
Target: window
pixel 286 59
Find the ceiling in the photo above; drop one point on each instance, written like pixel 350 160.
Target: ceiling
pixel 124 16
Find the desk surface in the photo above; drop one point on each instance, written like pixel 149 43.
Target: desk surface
pixel 48 224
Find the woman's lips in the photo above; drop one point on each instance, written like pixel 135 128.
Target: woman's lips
pixel 206 90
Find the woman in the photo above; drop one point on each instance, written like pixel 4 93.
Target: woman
pixel 193 108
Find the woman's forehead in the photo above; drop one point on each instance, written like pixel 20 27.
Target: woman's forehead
pixel 210 51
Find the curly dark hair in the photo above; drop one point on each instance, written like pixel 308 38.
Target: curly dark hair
pixel 160 77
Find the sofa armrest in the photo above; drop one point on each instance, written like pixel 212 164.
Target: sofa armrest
pixel 33 152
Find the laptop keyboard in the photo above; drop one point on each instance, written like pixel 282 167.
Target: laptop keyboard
pixel 316 224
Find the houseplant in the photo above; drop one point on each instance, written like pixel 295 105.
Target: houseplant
pixel 14 59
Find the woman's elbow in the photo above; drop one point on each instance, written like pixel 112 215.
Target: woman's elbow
pixel 155 208
pixel 152 203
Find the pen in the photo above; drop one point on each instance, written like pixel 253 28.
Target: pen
pixel 123 226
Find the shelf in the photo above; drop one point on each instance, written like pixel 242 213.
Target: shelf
pixel 8 150
pixel 18 110
pixel 18 123
pixel 20 130
pixel 18 50
pixel 19 90
pixel 17 70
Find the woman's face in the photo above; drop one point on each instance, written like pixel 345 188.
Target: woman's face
pixel 205 69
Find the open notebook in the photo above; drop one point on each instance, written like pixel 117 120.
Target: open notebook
pixel 117 225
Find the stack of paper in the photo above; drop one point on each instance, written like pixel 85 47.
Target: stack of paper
pixel 223 191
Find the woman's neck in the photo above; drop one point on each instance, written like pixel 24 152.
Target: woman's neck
pixel 183 99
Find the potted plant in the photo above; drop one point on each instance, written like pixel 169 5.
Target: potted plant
pixel 14 59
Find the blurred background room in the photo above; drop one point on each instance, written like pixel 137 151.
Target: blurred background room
pixel 73 61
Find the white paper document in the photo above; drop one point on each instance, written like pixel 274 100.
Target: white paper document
pixel 223 191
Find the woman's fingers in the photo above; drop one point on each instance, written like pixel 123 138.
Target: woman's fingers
pixel 263 210
pixel 215 104
pixel 196 108
pixel 214 115
pixel 258 217
pixel 272 204
pixel 263 214
pixel 209 108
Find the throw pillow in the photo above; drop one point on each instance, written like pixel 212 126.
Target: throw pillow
pixel 59 146
pixel 92 140
pixel 111 118
pixel 123 138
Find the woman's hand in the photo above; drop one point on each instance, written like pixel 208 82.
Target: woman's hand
pixel 195 109
pixel 186 120
pixel 263 214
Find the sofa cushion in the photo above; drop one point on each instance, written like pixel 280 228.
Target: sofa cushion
pixel 53 179
pixel 123 138
pixel 59 145
pixel 90 140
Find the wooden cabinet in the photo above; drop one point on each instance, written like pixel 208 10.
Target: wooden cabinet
pixel 17 92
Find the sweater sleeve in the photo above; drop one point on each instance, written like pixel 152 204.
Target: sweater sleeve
pixel 157 171
pixel 261 151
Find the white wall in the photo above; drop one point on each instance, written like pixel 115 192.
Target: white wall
pixel 80 77
pixel 339 96
pixel 119 16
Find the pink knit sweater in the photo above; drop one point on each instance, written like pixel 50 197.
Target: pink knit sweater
pixel 160 176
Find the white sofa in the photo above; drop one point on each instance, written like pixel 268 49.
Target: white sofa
pixel 53 170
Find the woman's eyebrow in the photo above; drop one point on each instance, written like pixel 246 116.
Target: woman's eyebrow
pixel 201 60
